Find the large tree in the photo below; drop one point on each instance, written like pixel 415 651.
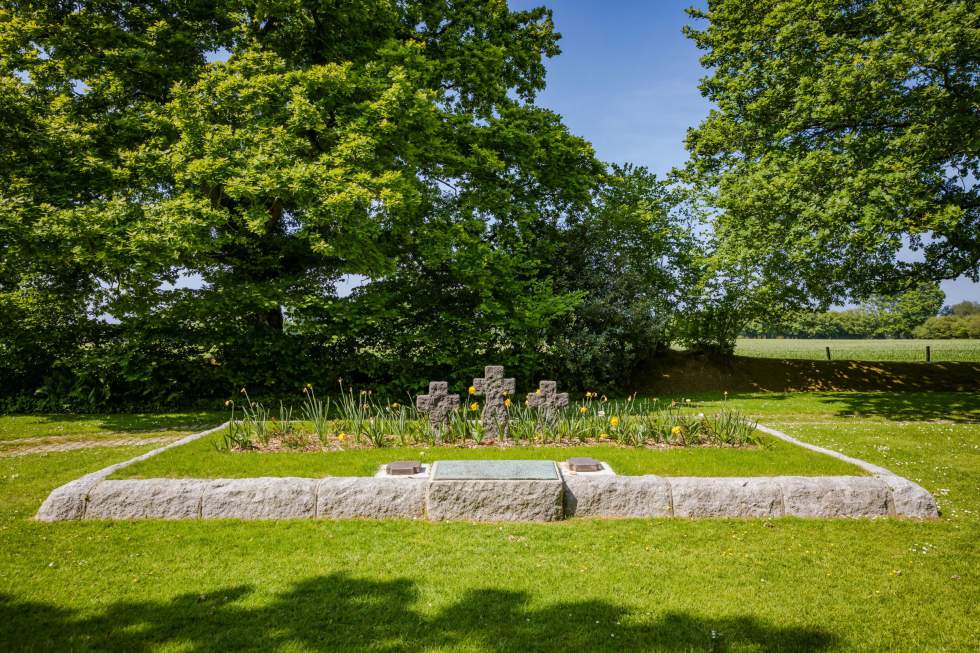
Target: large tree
pixel 394 140
pixel 842 134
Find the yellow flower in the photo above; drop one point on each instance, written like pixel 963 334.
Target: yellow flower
pixel 538 392
pixel 527 403
pixel 614 421
pixel 474 406
pixel 677 430
pixel 603 436
pixel 507 403
pixel 341 436
pixel 583 410
pixel 472 389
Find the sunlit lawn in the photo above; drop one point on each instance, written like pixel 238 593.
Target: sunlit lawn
pixel 638 585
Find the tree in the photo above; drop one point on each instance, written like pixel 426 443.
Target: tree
pixel 842 132
pixel 398 141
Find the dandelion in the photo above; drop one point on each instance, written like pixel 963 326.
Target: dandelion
pixel 474 406
pixel 583 410
pixel 614 421
pixel 507 403
pixel 472 389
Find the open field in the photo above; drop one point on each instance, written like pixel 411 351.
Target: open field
pixel 639 585
pixel 860 350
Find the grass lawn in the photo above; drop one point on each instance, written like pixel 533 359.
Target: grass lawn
pixel 597 585
pixel 200 459
pixel 70 428
pixel 860 350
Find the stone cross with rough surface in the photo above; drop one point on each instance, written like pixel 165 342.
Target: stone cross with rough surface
pixel 496 389
pixel 438 404
pixel 547 399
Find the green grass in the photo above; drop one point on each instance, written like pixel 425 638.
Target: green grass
pixel 860 350
pixel 637 585
pixel 93 427
pixel 200 459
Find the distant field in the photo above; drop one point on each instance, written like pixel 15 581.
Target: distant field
pixel 860 350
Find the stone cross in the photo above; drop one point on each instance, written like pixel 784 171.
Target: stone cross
pixel 438 404
pixel 496 389
pixel 547 399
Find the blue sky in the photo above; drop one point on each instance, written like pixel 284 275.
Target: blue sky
pixel 627 80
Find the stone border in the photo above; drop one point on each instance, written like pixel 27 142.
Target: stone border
pixel 596 494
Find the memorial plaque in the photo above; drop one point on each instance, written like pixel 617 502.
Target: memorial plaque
pixel 496 470
pixel 584 465
pixel 404 468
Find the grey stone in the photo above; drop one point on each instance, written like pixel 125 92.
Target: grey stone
pixel 374 498
pixel 489 500
pixel 584 464
pixel 910 499
pixel 259 498
pixel 438 405
pixel 67 501
pixel 404 468
pixel 547 399
pixel 834 496
pixel 566 470
pixel 496 389
pixel 616 496
pixel 161 498
pixel 726 497
pixel 494 470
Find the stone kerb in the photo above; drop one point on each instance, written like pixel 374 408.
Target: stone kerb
pixel 539 495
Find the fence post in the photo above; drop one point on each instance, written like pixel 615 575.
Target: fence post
pixel 828 353
pixel 928 354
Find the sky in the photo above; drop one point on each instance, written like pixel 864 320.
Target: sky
pixel 627 80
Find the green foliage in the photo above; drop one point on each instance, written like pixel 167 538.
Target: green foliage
pixel 899 316
pixel 842 133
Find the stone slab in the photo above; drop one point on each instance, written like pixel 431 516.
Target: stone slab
pixel 910 499
pixel 499 470
pixel 372 498
pixel 695 496
pixel 593 494
pixel 259 498
pixel 494 500
pixel 383 473
pixel 159 498
pixel 835 496
pixel 566 472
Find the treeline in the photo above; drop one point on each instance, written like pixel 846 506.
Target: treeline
pixel 912 315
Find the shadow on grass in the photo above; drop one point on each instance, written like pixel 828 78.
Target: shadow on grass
pixel 339 613
pixel 141 422
pixel 962 407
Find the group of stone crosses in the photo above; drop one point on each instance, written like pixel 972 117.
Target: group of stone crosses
pixel 439 404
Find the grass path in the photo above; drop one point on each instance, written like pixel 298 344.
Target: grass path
pixel 638 585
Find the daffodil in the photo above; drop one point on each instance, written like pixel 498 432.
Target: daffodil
pixel 474 406
pixel 229 402
pixel 677 430
pixel 341 436
pixel 472 389
pixel 614 421
pixel 538 392
pixel 583 410
pixel 507 403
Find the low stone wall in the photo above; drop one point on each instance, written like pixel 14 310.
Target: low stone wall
pixel 589 494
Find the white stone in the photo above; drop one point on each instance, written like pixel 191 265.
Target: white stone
pixel 67 501
pixel 910 499
pixel 259 498
pixel 372 498
pixel 494 500
pixel 695 496
pixel 834 496
pixel 566 472
pixel 593 494
pixel 160 498
pixel 383 473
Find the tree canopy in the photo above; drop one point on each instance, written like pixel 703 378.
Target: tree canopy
pixel 843 133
